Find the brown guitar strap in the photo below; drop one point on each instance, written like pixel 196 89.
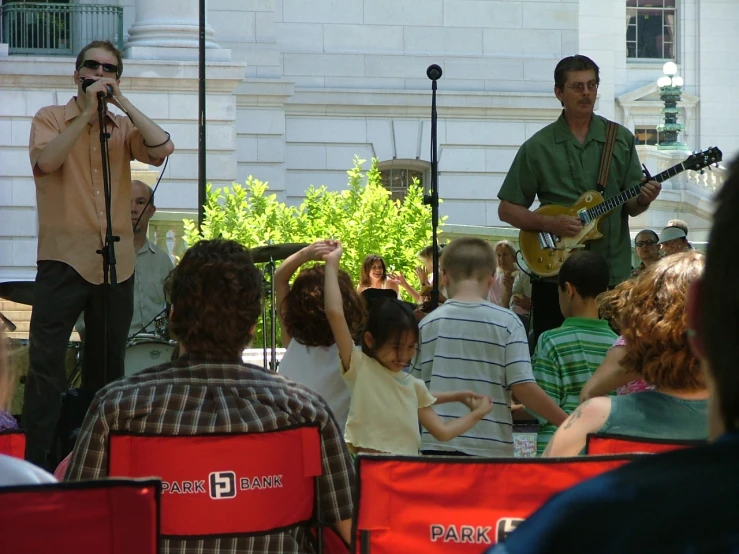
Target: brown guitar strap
pixel 605 158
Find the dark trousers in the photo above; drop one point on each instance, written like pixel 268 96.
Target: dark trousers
pixel 60 295
pixel 544 307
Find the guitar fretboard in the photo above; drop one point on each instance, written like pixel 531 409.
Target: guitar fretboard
pixel 613 203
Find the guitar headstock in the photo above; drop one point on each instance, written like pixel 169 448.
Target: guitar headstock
pixel 699 160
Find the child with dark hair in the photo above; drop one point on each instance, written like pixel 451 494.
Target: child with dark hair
pixel 312 357
pixel 387 403
pixel 566 357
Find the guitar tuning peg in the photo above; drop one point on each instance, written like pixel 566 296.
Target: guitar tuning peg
pixel 702 172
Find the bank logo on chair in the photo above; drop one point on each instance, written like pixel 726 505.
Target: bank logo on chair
pixel 222 485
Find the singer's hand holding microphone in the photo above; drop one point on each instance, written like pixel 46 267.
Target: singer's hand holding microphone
pixel 103 88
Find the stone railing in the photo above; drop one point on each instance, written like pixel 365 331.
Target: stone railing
pixel 166 230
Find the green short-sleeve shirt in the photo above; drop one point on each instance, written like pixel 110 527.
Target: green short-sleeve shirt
pixel 553 166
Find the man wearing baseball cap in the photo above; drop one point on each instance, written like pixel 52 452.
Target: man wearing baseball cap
pixel 673 240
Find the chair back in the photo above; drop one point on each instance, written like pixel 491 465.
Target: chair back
pixel 220 485
pixel 113 516
pixel 449 504
pixel 13 443
pixel 600 444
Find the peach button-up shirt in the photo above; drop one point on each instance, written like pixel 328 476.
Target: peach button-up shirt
pixel 71 200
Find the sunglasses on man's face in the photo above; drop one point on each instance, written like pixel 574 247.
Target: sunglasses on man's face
pixel 641 243
pixel 93 64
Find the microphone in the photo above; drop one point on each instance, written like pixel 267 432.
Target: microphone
pixel 433 72
pixel 89 82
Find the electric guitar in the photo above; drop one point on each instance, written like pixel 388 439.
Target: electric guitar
pixel 545 252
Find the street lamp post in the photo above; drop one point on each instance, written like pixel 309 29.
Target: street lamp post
pixel 670 90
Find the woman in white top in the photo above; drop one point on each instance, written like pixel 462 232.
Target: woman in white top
pixel 14 471
pixel 312 358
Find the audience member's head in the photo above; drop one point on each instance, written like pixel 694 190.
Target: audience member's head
pixel 373 267
pixel 467 259
pixel 583 276
pixel 679 223
pixel 672 240
pixel 215 295
pixel 426 255
pixel 654 324
pixel 647 246
pixel 303 311
pixel 714 312
pixel 505 256
pixel 612 302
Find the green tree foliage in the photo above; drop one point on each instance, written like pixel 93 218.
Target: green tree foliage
pixel 363 216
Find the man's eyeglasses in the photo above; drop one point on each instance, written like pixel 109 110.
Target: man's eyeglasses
pixel 93 64
pixel 640 243
pixel 580 87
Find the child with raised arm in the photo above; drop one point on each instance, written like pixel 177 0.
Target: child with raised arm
pixel 471 342
pixel 312 357
pixel 388 404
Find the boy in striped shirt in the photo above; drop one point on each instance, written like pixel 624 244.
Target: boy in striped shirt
pixel 566 357
pixel 470 343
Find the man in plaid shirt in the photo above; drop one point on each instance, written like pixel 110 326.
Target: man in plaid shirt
pixel 215 295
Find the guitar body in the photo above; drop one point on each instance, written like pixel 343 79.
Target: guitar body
pixel 546 261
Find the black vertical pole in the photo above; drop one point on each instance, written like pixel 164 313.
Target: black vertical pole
pixel 434 73
pixel 201 119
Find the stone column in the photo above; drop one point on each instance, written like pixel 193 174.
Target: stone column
pixel 169 30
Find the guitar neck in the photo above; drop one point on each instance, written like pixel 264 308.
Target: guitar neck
pixel 613 203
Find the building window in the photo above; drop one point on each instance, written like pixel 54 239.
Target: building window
pixel 647 135
pixel 398 175
pixel 650 29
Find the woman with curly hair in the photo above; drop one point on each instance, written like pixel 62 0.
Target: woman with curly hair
pixel 612 374
pixel 312 357
pixel 654 326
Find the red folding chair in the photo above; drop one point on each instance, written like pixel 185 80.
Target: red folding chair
pixel 452 504
pixel 115 516
pixel 13 443
pixel 599 444
pixel 221 485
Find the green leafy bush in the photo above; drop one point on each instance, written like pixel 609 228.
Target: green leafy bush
pixel 363 216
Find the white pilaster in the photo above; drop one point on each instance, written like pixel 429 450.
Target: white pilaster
pixel 169 30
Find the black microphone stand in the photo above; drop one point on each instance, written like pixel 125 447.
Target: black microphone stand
pixel 110 276
pixel 434 73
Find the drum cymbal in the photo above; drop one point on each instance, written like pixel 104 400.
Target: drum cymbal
pixel 20 292
pixel 262 254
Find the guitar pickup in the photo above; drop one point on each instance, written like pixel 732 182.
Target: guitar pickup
pixel 546 240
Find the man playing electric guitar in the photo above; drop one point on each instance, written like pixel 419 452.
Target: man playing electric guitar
pixel 561 162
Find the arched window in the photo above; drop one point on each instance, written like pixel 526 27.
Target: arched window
pixel 398 175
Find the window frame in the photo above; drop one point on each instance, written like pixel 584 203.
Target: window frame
pixel 675 39
pixel 416 166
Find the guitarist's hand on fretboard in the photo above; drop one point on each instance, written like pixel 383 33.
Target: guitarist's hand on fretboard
pixel 649 192
pixel 565 226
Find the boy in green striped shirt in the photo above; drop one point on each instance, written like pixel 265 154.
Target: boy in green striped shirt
pixel 566 357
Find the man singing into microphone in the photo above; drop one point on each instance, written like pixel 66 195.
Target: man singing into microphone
pixel 68 172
